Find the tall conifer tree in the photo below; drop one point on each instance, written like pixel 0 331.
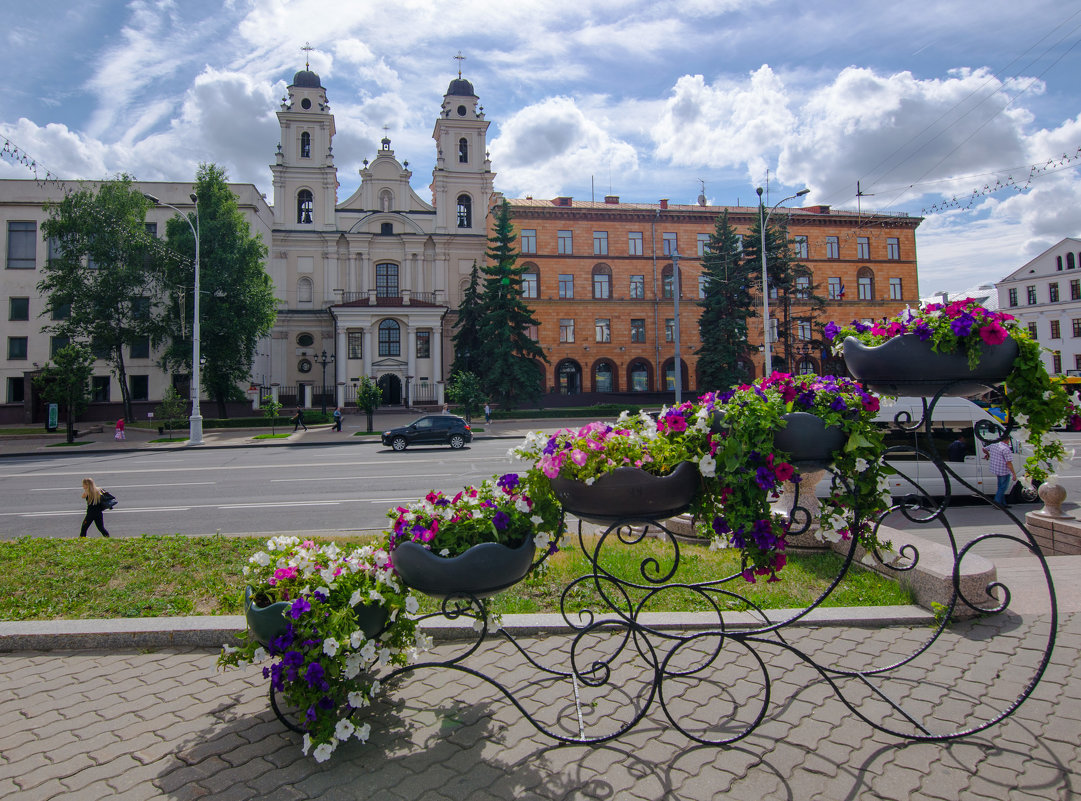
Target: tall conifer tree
pixel 725 308
pixel 508 369
pixel 467 341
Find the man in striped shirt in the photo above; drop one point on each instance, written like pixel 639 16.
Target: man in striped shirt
pixel 1000 462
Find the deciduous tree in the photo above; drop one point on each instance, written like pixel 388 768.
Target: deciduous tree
pixel 65 381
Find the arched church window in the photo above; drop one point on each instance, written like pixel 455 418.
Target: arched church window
pixel 463 151
pixel 390 338
pixel 305 290
pixel 386 280
pixel 305 145
pixel 465 211
pixel 305 207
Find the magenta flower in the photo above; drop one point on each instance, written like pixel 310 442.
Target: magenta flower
pixel 993 334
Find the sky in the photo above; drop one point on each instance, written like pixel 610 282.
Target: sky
pixel 966 113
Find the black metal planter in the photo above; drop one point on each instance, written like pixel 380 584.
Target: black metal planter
pixel 629 492
pixel 481 572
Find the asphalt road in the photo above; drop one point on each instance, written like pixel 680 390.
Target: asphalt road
pixel 236 490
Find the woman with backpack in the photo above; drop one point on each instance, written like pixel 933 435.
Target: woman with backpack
pixel 96 499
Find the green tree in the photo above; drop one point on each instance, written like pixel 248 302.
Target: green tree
pixel 271 409
pixel 237 305
pixel 102 272
pixel 65 381
pixel 369 396
pixel 725 309
pixel 508 368
pixel 468 345
pixel 171 409
pixel 466 389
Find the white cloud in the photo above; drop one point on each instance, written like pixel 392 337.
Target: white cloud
pixel 548 145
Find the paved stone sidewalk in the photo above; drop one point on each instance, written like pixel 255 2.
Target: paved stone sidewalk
pixel 166 724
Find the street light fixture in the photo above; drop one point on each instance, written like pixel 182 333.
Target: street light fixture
pixel 763 221
pixel 324 361
pixel 195 422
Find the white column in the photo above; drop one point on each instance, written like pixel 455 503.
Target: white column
pixel 367 351
pixel 411 354
pixel 437 362
pixel 341 359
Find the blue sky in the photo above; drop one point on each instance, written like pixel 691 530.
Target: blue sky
pixel 920 102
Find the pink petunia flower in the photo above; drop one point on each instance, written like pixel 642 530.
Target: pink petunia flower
pixel 993 334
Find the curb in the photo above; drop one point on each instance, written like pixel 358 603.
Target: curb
pixel 213 632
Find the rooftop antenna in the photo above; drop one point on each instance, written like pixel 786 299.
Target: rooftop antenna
pixel 459 58
pixel 859 209
pixel 702 195
pixel 307 51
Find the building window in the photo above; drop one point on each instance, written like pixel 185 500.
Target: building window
pixel 463 151
pixel 602 377
pixel 465 211
pixel 600 243
pixel 305 290
pixel 1056 362
pixel 803 287
pixel 424 344
pixel 529 240
pixel 893 248
pixel 1077 362
pixel 803 330
pixel 865 284
pixel 22 245
pixel 1030 291
pixel 566 330
pixel 1076 325
pixel 703 244
pixel 895 289
pixel 386 280
pixel 666 281
pixel 806 367
pixel 1052 292
pixel 1056 331
pixel 305 145
pixel 16 390
pixel 565 243
pixel 58 342
pixel 1069 261
pixel 863 247
pixel 99 388
pixel 17 348
pixel 1075 289
pixel 669 243
pixel 670 329
pixel 1058 263
pixel 18 308
pixel 390 338
pixel 140 387
pixel 386 229
pixel 604 329
pixel 355 344
pixel 530 284
pixel 638 287
pixel 638 329
pixel 140 349
pixel 833 248
pixel 836 288
pixel 602 282
pixel 703 285
pixel 1013 296
pixel 800 245
pixel 305 207
pixel 634 243
pixel 639 377
pixel 1032 332
pixel 566 285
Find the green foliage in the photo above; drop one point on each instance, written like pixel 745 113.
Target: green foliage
pixel 271 408
pixel 237 305
pixel 66 381
pixel 508 369
pixel 104 269
pixel 725 309
pixel 171 409
pixel 369 396
pixel 468 345
pixel 465 388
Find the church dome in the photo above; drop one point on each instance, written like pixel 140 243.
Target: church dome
pixel 461 88
pixel 307 79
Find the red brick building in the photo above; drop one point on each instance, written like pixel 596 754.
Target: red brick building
pixel 599 279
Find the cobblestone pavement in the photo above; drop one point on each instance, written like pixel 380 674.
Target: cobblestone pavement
pixel 167 724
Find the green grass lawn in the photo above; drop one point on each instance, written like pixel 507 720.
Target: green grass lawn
pixel 151 576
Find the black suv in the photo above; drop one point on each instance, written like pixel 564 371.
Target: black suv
pixel 435 429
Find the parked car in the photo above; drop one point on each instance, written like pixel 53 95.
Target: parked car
pixel 433 429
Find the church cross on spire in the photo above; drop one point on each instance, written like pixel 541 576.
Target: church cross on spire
pixel 459 58
pixel 307 51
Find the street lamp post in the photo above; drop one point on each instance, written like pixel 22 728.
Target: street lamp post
pixel 324 360
pixel 763 221
pixel 195 422
pixel 675 326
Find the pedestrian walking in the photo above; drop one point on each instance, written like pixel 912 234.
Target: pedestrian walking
pixel 337 418
pixel 446 409
pixel 95 504
pixel 487 414
pixel 119 434
pixel 298 418
pixel 1000 462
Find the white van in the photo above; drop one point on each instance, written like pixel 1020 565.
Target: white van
pixel 953 419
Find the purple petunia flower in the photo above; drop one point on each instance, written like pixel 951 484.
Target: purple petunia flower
pixel 922 330
pixel 763 477
pixel 501 520
pixel 314 675
pixel 299 607
pixel 831 330
pixel 508 482
pixel 839 404
pixel 962 326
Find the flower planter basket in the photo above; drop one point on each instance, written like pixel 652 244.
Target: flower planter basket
pixel 267 623
pixel 629 492
pixel 809 440
pixel 906 366
pixel 481 572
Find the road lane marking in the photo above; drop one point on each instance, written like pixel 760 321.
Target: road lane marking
pixel 128 486
pixel 361 478
pixel 253 505
pixel 230 468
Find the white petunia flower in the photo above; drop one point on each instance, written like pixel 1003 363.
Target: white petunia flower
pixel 364 732
pixel 536 520
pixel 323 751
pixel 367 653
pixel 375 596
pixel 445 552
pixel 353 664
pixel 356 639
pixel 412 605
pixel 374 691
pixel 330 646
pixel 707 465
pixel 261 558
pixel 344 729
pixel 541 539
pixel 259 655
pixel 357 700
pixel 306 744
pixel 384 657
